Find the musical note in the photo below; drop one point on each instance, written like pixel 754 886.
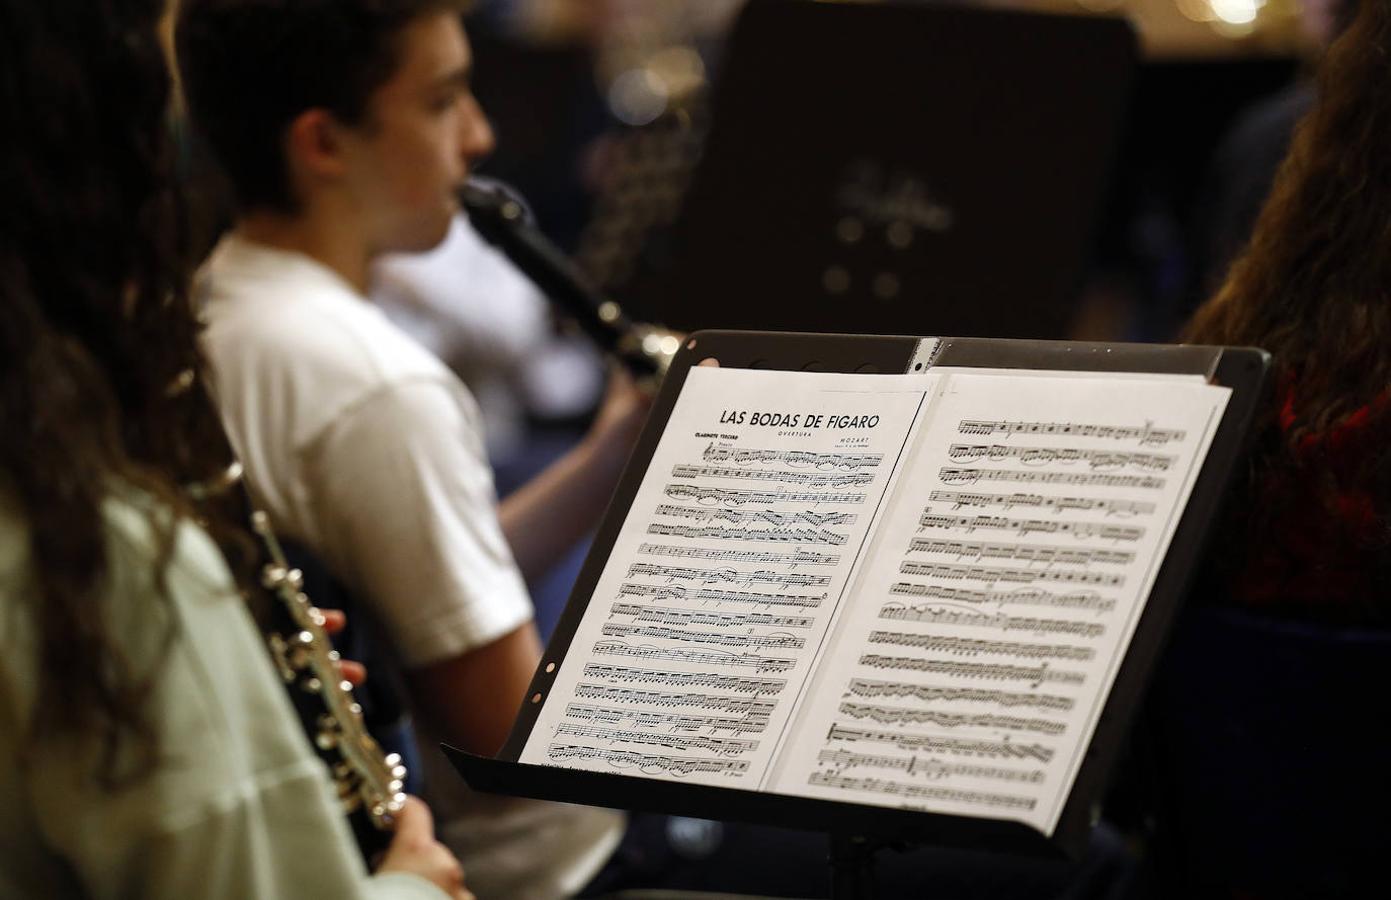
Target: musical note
pixel 992 574
pixel 738 683
pixel 1048 555
pixel 811 479
pixel 1057 504
pixel 723 639
pixel 1097 459
pixel 868 687
pixel 1089 600
pixel 677 766
pixel 723 533
pixel 699 657
pixel 894 715
pixel 921 791
pixel 1035 675
pixel 1079 530
pixel 739 496
pixel 753 598
pixel 927 767
pixel 962 646
pixel 727 576
pixel 960 746
pixel 725 746
pixel 1145 435
pixel 952 475
pixel 944 615
pixel 666 615
pixel 793 558
pixel 738 456
pixel 771 516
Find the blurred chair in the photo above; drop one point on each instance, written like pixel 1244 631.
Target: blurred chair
pixel 1272 757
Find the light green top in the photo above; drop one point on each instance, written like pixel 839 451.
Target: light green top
pixel 240 806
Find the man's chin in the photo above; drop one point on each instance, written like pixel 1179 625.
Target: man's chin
pixel 421 242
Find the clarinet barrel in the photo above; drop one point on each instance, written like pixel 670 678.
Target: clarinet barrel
pixel 501 217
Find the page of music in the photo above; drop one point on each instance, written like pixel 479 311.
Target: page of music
pixel 902 590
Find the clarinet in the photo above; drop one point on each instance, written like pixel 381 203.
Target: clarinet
pixel 501 218
pixel 369 783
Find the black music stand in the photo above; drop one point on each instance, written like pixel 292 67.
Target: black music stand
pixel 895 168
pixel 858 830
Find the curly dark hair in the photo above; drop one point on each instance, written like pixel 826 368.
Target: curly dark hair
pixel 1314 288
pixel 250 67
pixel 97 335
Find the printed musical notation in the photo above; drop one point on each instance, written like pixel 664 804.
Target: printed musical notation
pixel 895 715
pixel 868 687
pixel 948 745
pixel 925 612
pixel 737 683
pixel 814 479
pixel 962 646
pixel 720 638
pixel 1032 553
pixel 927 767
pixel 1079 530
pixel 678 766
pixel 921 791
pixel 1034 675
pixel 993 574
pixel 953 475
pixel 1145 435
pixel 1108 506
pixel 666 615
pixel 739 496
pixel 665 699
pixel 815 517
pixel 676 722
pixel 714 595
pixel 785 535
pixel 746 456
pixel 726 575
pixel 1085 600
pixel 946 615
pixel 1097 459
pixel 723 746
pixel 724 554
pixel 696 657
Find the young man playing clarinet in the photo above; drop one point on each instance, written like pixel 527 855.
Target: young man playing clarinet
pixel 345 128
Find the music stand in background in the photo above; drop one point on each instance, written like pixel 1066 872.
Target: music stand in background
pixel 895 169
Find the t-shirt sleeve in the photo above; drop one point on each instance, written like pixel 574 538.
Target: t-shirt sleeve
pixel 408 513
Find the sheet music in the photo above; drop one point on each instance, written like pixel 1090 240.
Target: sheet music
pixel 908 591
pixel 719 591
pixel 1003 585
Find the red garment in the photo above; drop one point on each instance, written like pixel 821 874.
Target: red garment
pixel 1323 552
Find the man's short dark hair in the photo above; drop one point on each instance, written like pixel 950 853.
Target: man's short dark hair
pixel 250 67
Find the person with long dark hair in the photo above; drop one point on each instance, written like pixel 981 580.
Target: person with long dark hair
pixel 1311 535
pixel 147 747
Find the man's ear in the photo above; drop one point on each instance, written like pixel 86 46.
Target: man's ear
pixel 316 146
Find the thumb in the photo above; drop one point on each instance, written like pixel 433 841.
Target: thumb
pixel 414 822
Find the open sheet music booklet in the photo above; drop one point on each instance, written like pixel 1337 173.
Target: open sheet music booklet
pixel 900 590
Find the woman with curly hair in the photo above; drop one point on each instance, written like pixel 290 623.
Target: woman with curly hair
pixel 147 747
pixel 1311 536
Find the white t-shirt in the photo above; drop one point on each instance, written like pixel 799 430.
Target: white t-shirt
pixel 239 805
pixel 366 448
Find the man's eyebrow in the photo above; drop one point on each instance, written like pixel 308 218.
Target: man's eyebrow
pixel 460 77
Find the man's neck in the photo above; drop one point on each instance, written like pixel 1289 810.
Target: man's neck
pixel 326 239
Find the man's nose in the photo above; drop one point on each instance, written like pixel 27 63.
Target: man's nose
pixel 479 140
